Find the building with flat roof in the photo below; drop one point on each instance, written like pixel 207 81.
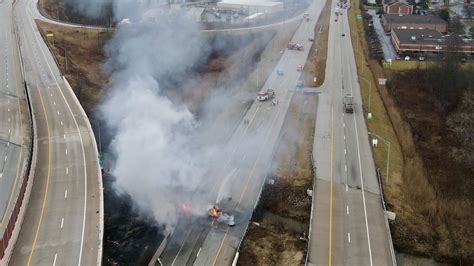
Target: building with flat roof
pixel 426 41
pixel 398 8
pixel 391 22
pixel 251 7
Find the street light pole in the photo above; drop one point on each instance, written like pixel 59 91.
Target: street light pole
pixel 388 153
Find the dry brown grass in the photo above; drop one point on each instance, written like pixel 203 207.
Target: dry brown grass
pixel 278 244
pixel 423 213
pixel 315 66
pixel 84 58
pixel 268 245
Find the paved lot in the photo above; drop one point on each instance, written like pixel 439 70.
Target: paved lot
pixel 348 222
pixel 387 47
pixel 63 224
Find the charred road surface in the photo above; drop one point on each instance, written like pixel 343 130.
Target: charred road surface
pixel 348 225
pixel 205 241
pixel 63 221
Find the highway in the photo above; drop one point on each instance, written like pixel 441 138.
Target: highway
pixel 207 242
pixel 15 127
pixel 348 225
pixel 64 220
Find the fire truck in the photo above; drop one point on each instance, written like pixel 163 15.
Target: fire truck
pixel 264 95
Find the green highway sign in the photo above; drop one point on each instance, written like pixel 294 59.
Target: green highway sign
pixel 359 17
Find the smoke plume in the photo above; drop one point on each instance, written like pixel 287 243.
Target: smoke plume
pixel 158 163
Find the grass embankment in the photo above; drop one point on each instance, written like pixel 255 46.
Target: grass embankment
pixel 283 215
pixel 83 48
pixel 315 66
pixel 429 221
pixel 381 122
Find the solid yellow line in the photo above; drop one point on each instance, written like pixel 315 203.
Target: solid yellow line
pixel 47 179
pixel 21 144
pixel 330 193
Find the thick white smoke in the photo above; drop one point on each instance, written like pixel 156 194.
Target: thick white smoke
pixel 158 163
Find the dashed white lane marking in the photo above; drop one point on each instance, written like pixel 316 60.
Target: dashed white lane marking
pixel 344 125
pixel 8 109
pixel 349 237
pixel 199 251
pixel 58 112
pixel 345 168
pixel 67 171
pixel 344 137
pixel 54 103
pixel 6 156
pixel 347 209
pixel 64 136
pixel 51 95
pixel 345 151
pixel 347 188
pixel 62 222
pixel 9 119
pixel 66 151
pixel 62 123
pixel 55 258
pixel 65 194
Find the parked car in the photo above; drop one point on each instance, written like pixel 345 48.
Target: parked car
pixel 407 58
pixel 421 58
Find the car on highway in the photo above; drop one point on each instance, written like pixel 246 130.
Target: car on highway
pixel 280 72
pixel 343 34
pixel 299 67
pixel 311 39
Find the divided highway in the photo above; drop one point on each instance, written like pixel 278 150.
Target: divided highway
pixel 63 223
pixel 203 242
pixel 348 226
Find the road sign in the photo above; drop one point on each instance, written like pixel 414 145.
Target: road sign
pixel 370 116
pixel 382 81
pixel 359 17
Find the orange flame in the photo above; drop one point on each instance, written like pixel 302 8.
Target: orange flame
pixel 214 212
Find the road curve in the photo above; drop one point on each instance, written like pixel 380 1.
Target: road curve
pixel 64 220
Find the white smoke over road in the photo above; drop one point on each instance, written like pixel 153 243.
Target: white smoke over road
pixel 157 162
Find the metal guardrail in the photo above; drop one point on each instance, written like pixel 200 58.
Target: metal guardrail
pixel 387 225
pixel 313 169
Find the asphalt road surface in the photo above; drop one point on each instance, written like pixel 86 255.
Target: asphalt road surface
pixel 348 225
pixel 15 131
pixel 63 224
pixel 205 241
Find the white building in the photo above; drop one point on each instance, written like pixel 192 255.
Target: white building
pixel 251 7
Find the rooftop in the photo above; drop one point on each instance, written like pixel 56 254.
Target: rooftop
pixel 414 19
pixel 424 36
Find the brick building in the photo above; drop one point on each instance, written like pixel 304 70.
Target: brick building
pixel 391 22
pixel 425 41
pixel 398 8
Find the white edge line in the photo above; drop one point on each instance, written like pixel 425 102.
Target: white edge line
pixel 38 43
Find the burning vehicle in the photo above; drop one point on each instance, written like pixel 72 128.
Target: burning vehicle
pixel 220 216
